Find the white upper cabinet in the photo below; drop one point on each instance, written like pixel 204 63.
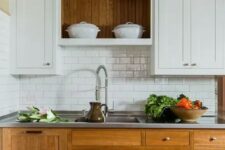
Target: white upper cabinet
pixel 33 37
pixel 189 37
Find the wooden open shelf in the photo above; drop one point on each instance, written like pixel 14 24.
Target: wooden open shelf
pixel 106 14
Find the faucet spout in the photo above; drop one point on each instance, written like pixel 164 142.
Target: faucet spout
pixel 98 86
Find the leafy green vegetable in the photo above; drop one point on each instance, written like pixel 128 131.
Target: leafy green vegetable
pixel 156 105
pixel 33 109
pixel 34 115
pixel 51 115
pixel 24 117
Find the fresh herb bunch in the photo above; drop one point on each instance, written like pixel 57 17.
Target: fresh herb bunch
pixel 156 106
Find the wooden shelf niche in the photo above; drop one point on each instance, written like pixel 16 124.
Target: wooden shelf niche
pixel 106 14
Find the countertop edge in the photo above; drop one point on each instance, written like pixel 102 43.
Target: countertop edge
pixel 6 121
pixel 113 125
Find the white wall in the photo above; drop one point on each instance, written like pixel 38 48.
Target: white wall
pixel 129 83
pixel 9 86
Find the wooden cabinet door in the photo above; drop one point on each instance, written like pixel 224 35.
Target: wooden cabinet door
pixel 169 34
pixel 207 33
pixel 32 36
pixel 34 139
pixel 107 139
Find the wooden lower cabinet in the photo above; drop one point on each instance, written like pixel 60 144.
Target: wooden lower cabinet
pixel 0 138
pixel 34 139
pixel 209 140
pixel 110 139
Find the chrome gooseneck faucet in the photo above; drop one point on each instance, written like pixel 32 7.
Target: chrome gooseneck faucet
pixel 98 87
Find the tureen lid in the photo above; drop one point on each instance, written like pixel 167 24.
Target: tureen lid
pixel 128 24
pixel 84 24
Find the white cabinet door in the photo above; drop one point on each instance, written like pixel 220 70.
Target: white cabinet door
pixel 33 37
pixel 205 20
pixel 30 33
pixel 170 34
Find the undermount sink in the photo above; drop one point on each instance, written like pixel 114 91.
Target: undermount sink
pixel 122 119
pixel 113 120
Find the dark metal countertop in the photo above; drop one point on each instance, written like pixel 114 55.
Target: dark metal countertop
pixel 207 122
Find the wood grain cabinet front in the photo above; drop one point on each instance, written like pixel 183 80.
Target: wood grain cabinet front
pixel 1 139
pixel 107 139
pixel 168 139
pixel 209 140
pixel 34 139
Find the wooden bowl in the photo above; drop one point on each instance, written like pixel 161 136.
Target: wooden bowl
pixel 188 115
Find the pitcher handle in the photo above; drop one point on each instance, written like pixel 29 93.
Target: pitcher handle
pixel 105 110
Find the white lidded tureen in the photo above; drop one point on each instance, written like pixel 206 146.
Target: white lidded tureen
pixel 128 30
pixel 83 30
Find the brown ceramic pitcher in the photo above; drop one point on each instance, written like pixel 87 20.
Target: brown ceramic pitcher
pixel 95 113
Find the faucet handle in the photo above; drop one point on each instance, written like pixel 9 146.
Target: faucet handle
pixel 84 112
pixel 97 94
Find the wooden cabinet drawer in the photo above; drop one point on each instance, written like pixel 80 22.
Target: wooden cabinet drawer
pixel 167 137
pixel 209 147
pixel 108 148
pixel 106 137
pixel 209 137
pixel 168 148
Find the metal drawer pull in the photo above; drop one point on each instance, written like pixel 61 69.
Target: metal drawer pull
pixel 167 139
pixel 33 132
pixel 47 64
pixel 212 138
pixel 194 64
pixel 186 64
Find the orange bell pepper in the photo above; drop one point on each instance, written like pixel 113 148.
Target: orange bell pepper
pixel 185 103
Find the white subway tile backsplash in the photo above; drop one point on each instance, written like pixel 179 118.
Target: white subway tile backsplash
pixel 124 60
pixel 136 60
pixel 140 74
pixel 70 60
pixel 201 88
pixel 133 67
pixel 93 53
pixel 118 67
pixel 129 81
pixel 85 60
